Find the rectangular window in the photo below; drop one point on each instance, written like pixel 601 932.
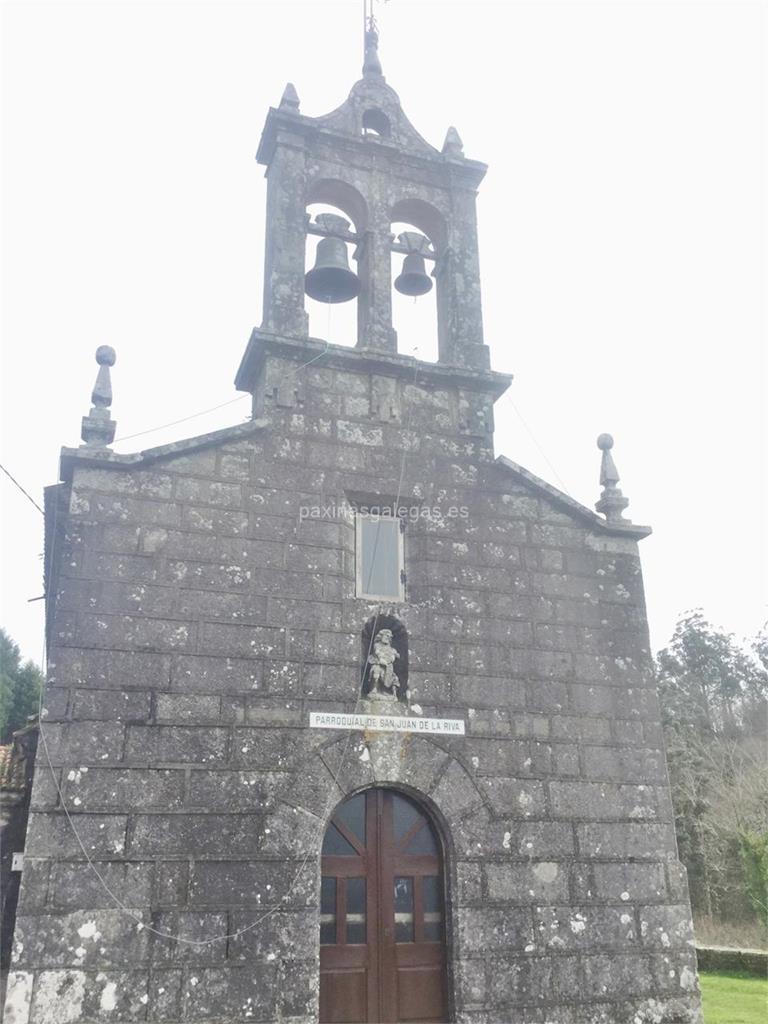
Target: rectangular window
pixel 403 910
pixel 356 934
pixel 328 912
pixel 379 556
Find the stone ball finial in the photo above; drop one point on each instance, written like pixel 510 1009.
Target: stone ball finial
pixel 605 442
pixel 106 355
pixel 97 429
pixel 612 502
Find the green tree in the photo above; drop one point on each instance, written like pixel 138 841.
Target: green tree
pixel 19 688
pixel 710 683
pixel 754 858
pixel 714 701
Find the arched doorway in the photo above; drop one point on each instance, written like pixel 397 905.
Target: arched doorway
pixel 382 914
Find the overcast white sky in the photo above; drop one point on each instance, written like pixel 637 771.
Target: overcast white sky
pixel 621 227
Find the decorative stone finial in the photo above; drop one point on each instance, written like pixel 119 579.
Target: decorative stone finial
pixel 371 62
pixel 289 101
pixel 612 502
pixel 97 429
pixel 453 146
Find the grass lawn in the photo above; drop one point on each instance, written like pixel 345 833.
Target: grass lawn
pixel 734 998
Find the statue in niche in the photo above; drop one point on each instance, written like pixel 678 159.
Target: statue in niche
pixel 383 681
pixel 384 660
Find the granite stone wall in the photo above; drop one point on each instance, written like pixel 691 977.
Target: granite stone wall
pixel 201 614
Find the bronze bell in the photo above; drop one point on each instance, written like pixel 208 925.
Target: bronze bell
pixel 331 280
pixel 414 279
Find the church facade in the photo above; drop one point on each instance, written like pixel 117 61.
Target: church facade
pixel 348 719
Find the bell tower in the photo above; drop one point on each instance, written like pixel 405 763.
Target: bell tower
pixel 368 161
pixel 348 719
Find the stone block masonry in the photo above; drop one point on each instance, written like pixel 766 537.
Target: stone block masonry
pixel 198 621
pixel 203 607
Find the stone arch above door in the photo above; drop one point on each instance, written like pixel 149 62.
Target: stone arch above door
pixel 404 760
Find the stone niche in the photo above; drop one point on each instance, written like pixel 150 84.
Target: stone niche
pixel 384 660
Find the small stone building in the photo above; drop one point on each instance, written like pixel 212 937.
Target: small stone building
pixel 348 718
pixel 17 760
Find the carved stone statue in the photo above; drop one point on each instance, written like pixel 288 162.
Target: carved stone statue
pixel 383 681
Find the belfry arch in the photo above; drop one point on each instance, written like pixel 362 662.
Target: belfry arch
pixel 367 159
pixel 415 227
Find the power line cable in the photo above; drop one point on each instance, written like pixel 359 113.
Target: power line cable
pixel 334 787
pixel 25 493
pixel 240 398
pixel 541 450
pixel 221 405
pixel 121 906
pixel 184 419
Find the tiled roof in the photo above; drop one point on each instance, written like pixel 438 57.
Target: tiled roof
pixel 11 770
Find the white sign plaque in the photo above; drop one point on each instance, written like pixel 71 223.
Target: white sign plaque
pixel 386 723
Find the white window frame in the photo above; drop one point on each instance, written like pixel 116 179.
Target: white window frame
pixel 398 524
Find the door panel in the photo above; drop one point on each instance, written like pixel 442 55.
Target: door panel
pixel 382 949
pixel 419 992
pixel 344 1001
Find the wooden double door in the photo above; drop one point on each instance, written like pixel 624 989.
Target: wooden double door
pixel 382 914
